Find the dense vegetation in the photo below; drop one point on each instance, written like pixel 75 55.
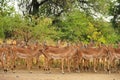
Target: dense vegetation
pixel 69 20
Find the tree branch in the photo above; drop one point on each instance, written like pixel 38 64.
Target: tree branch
pixel 42 2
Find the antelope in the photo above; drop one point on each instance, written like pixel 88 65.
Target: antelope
pixel 114 54
pixel 93 53
pixel 62 53
pixel 26 54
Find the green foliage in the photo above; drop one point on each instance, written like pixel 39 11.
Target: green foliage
pixel 94 34
pixel 107 31
pixel 76 26
pixel 73 25
pixel 8 24
pixel 1 33
pixel 43 30
pixel 7 19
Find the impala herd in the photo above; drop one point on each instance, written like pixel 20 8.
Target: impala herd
pixel 77 57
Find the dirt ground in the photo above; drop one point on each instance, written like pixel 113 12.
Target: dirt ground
pixel 57 75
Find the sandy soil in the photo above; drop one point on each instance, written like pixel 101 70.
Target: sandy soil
pixel 57 75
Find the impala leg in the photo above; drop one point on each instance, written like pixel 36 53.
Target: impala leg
pixel 116 66
pixel 5 66
pixel 45 64
pixel 29 64
pixel 77 61
pixel 79 64
pixel 95 63
pixel 68 60
pixel 104 64
pixel 86 64
pixel 62 65
pixel 12 65
pixel 109 65
pixel 2 64
pixel 82 64
pixel 38 62
pixel 49 63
